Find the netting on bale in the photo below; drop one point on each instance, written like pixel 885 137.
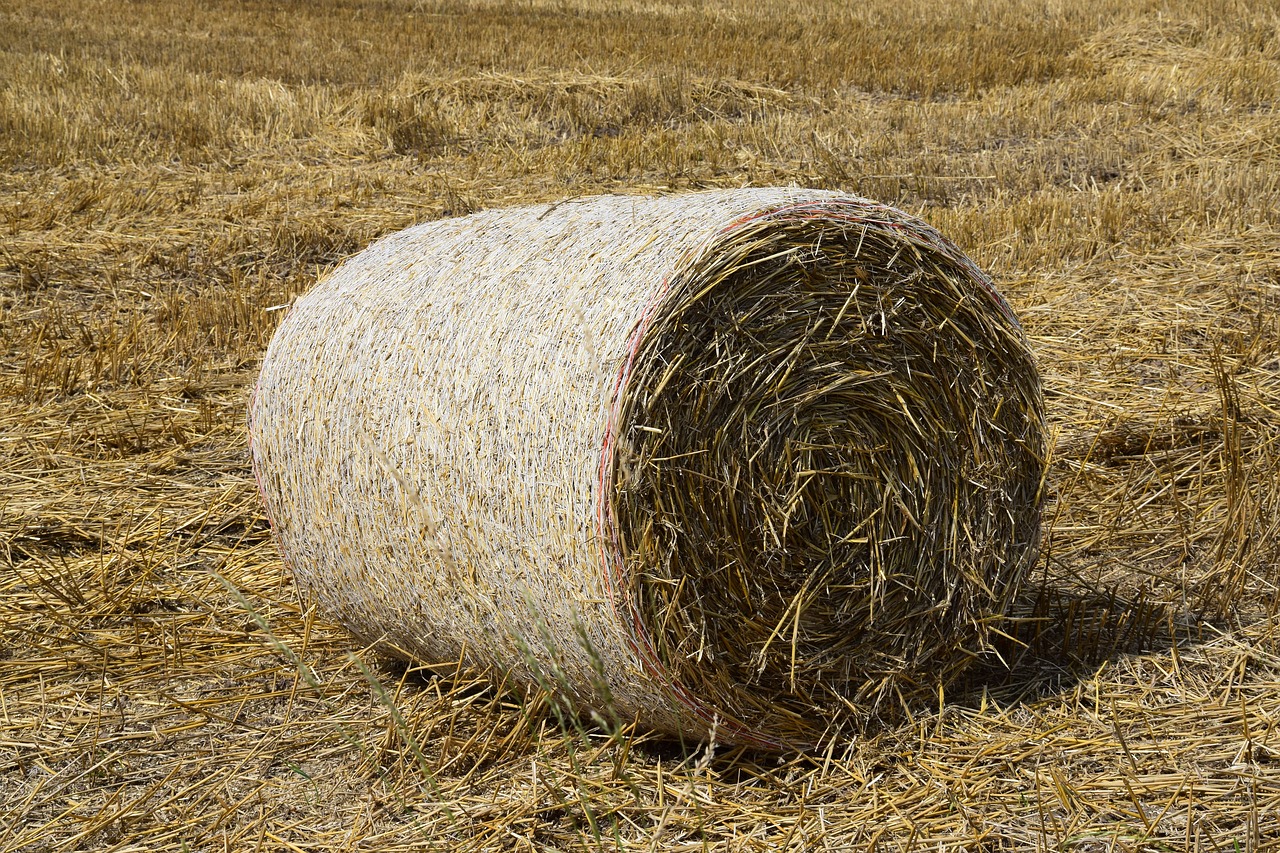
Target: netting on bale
pixel 763 461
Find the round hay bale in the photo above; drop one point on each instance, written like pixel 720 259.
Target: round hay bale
pixel 761 462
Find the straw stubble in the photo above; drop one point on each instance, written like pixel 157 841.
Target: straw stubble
pixel 765 462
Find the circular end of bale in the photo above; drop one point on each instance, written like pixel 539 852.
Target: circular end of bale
pixel 822 471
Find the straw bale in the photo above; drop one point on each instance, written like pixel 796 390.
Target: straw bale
pixel 763 461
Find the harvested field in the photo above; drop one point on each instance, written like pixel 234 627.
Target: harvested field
pixel 172 178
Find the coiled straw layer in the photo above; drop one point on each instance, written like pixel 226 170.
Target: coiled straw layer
pixel 765 462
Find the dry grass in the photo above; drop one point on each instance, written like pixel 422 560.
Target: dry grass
pixel 171 174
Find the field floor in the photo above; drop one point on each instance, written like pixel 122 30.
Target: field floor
pixel 173 174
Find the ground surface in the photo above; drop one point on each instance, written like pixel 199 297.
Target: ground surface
pixel 171 176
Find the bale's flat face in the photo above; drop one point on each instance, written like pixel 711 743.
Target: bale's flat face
pixel 828 470
pixel 762 461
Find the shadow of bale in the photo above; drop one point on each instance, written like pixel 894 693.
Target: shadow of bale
pixel 1056 636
